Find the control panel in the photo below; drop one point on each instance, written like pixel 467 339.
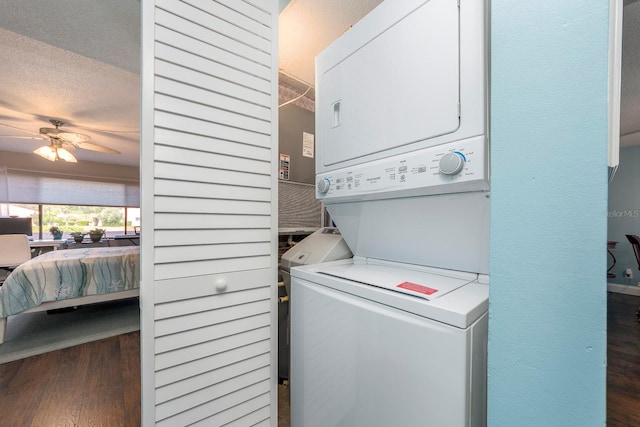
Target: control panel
pixel 447 168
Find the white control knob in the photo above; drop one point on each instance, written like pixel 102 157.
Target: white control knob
pixel 323 186
pixel 451 163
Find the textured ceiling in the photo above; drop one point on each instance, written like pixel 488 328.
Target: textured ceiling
pixel 79 62
pixel 107 31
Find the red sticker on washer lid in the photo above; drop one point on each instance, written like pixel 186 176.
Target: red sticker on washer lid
pixel 417 288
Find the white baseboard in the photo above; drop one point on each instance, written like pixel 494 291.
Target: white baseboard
pixel 623 289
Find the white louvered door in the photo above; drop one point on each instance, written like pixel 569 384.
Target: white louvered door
pixel 209 212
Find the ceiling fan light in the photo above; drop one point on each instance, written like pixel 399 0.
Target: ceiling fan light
pixel 53 153
pixel 65 155
pixel 46 152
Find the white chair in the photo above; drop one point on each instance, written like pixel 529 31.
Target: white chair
pixel 14 250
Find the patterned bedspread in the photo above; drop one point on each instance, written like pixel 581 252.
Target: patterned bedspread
pixel 71 273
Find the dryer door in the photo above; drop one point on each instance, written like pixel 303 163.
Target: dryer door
pixel 392 80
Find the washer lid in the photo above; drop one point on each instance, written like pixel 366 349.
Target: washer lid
pixel 411 282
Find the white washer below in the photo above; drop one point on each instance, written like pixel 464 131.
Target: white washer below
pixel 366 355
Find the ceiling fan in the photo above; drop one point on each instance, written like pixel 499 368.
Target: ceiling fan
pixel 62 144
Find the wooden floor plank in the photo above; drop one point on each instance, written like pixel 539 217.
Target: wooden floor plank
pixel 103 399
pixel 7 374
pixel 93 384
pixel 64 394
pixel 130 359
pixel 20 398
pixel 111 392
pixel 623 361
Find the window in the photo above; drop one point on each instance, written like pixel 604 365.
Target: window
pixel 69 218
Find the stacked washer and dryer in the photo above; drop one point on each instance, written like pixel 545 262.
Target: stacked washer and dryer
pixel 397 335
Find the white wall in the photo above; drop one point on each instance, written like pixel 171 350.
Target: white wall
pixel 31 162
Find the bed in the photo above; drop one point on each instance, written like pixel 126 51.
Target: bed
pixel 68 278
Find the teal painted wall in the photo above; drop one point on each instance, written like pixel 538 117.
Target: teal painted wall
pixel 624 214
pixel 547 327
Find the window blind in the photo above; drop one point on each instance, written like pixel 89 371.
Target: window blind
pixel 34 187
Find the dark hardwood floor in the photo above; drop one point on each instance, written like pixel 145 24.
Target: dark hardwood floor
pixel 93 384
pixel 623 361
pixel 98 383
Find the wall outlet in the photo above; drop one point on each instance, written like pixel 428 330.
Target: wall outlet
pixel 628 273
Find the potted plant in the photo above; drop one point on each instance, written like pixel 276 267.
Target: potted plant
pixel 96 234
pixel 78 236
pixel 56 233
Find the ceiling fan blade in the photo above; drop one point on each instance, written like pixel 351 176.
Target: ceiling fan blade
pixel 19 128
pixel 59 138
pixel 95 147
pixel 73 138
pixel 68 137
pixel 39 138
pixel 125 130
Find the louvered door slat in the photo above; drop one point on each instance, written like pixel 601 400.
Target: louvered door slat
pixel 239 19
pixel 192 323
pixel 207 66
pixel 209 212
pixel 196 173
pixel 199 237
pixel 235 407
pixel 212 267
pixel 212 302
pixel 232 392
pixel 202 381
pixel 250 11
pixel 235 325
pixel 211 145
pixel 186 221
pixel 208 96
pixel 211 160
pixel 212 129
pixel 214 251
pixel 206 39
pixel 205 79
pixel 204 189
pixel 172 361
pixel 223 26
pixel 198 366
pixel 254 419
pixel 244 408
pixel 209 387
pixel 193 205
pixel 207 113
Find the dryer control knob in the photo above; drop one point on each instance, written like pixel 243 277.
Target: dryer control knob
pixel 323 186
pixel 451 163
